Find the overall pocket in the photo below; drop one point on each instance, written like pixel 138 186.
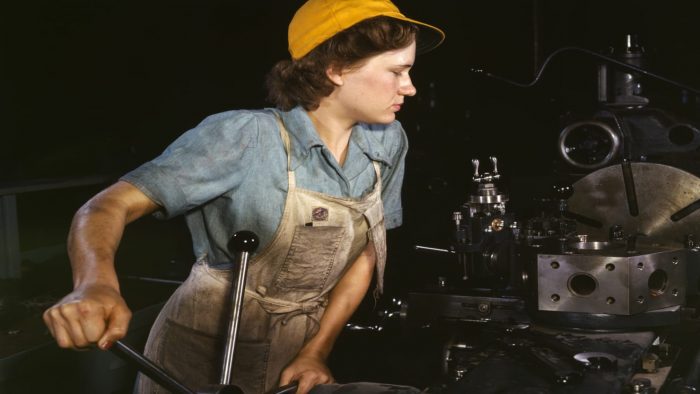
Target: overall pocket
pixel 310 258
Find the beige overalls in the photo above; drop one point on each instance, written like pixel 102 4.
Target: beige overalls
pixel 287 289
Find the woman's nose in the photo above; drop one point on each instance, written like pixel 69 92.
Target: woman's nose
pixel 407 88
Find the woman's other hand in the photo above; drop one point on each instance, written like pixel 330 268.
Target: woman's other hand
pixel 309 370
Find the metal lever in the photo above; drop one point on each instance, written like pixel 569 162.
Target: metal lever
pixel 475 163
pixel 242 244
pixel 485 177
pixel 149 369
pixel 290 388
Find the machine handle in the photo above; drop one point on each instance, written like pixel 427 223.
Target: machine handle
pixel 241 245
pixel 148 368
pixel 431 249
pixel 243 241
pixel 475 164
pixel 290 388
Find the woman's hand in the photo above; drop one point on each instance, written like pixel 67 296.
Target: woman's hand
pixel 309 370
pixel 95 314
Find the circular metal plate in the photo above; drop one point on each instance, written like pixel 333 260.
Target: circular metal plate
pixel 667 201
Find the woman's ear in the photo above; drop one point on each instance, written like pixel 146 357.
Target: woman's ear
pixel 335 74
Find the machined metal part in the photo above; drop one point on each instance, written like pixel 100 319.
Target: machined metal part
pixel 588 144
pixel 612 281
pixel 641 386
pixel 429 307
pixel 607 322
pixel 597 360
pixel 564 372
pixel 591 245
pixel 650 362
pixel 360 327
pixel 487 193
pixel 667 198
pixel 449 366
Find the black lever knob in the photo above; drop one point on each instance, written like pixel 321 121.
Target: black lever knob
pixel 563 191
pixel 243 241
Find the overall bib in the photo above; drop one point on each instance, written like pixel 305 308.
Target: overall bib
pixel 287 288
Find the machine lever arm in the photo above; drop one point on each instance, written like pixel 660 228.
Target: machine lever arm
pixel 290 388
pixel 148 368
pixel 475 164
pixel 242 244
pixel 431 249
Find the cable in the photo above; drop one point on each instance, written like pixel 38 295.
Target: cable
pixel 590 53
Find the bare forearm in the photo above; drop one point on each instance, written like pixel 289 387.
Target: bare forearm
pixel 344 300
pixel 92 243
pixel 95 312
pixel 97 229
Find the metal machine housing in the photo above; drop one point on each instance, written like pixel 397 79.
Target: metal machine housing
pixel 612 281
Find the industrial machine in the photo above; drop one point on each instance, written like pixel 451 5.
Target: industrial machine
pixel 589 301
pixel 596 292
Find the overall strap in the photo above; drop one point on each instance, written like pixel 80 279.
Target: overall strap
pixel 285 139
pixel 377 173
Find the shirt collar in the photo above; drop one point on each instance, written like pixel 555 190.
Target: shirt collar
pixel 367 138
pixel 303 137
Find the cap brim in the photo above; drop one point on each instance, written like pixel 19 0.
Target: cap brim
pixel 429 37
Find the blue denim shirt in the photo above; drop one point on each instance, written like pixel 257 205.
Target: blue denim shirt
pixel 230 173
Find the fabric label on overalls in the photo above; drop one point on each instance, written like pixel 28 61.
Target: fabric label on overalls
pixel 319 214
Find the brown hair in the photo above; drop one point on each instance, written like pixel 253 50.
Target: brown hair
pixel 304 81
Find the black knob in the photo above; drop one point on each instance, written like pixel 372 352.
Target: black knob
pixel 601 363
pixel 566 376
pixel 243 241
pixel 563 191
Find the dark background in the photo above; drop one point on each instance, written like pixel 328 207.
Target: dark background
pixel 90 87
pixel 94 87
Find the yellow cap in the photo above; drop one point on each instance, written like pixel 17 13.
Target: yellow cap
pixel 318 20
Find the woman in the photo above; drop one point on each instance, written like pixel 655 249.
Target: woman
pixel 318 179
